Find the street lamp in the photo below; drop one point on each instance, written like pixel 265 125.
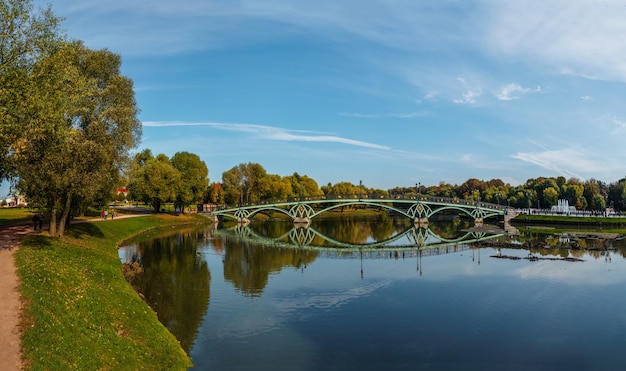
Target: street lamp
pixel 360 189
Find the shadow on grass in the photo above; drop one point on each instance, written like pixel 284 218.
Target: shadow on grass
pixel 84 229
pixel 37 242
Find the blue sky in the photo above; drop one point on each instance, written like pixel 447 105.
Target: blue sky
pixel 388 92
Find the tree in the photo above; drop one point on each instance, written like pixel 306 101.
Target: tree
pixel 550 197
pixel 156 182
pixel 617 194
pixel 214 194
pixel 245 183
pixel 80 124
pixel 302 185
pixel 278 187
pixel 25 38
pixel 194 180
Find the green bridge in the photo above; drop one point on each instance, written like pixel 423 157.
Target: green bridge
pixel 419 208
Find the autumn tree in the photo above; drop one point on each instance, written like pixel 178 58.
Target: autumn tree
pixel 302 185
pixel 214 194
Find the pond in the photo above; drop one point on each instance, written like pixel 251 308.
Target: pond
pixel 267 298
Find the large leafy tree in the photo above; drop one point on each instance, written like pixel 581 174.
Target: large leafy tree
pixel 245 183
pixel 154 180
pixel 80 123
pixel 26 36
pixel 194 178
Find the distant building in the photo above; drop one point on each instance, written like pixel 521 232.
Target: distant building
pixel 15 200
pixel 122 190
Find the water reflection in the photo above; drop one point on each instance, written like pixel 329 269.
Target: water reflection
pixel 248 266
pixel 175 281
pixel 392 294
pixel 410 237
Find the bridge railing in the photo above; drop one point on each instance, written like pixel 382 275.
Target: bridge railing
pixel 375 197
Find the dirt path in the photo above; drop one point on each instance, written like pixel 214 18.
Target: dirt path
pixel 10 303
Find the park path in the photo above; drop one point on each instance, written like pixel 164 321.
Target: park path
pixel 10 303
pixel 10 298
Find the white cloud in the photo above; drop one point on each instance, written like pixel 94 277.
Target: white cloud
pixel 619 124
pixel 469 97
pixel 409 115
pixel 581 38
pixel 514 91
pixel 586 98
pixel 271 133
pixel 471 91
pixel 569 161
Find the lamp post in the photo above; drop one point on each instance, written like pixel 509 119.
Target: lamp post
pixel 360 189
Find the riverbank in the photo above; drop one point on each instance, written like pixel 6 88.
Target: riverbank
pixel 78 310
pixel 594 221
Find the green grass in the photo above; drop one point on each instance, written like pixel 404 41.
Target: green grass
pixel 80 313
pixel 15 215
pixel 576 220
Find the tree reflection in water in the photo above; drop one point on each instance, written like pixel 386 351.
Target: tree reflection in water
pixel 175 281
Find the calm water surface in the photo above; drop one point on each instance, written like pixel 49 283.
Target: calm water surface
pixel 236 304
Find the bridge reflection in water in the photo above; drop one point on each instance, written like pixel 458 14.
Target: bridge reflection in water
pixel 413 242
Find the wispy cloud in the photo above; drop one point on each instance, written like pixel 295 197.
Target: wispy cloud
pixel 409 115
pixel 570 161
pixel 471 92
pixel 514 91
pixel 271 133
pixel 567 36
pixel 619 124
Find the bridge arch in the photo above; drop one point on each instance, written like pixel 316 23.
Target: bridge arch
pixel 418 209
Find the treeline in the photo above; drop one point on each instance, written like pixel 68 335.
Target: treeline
pixel 250 182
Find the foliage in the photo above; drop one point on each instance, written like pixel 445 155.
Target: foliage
pixel 25 37
pixel 214 194
pixel 193 178
pixel 156 180
pixel 80 124
pixel 82 312
pixel 178 291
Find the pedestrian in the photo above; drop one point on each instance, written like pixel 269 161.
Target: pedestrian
pixel 41 222
pixel 106 215
pixel 102 214
pixel 35 222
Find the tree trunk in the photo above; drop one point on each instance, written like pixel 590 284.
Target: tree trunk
pixel 66 213
pixel 53 216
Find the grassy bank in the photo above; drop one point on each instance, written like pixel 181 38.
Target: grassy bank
pixel 80 313
pixel 15 215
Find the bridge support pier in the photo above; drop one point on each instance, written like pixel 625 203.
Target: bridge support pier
pixel 421 222
pixel 301 222
pixel 244 221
